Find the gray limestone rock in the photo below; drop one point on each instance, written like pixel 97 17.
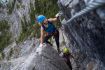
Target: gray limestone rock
pixel 85 29
pixel 41 58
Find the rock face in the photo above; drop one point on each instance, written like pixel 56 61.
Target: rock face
pixel 48 59
pixel 16 12
pixel 84 26
pixel 39 58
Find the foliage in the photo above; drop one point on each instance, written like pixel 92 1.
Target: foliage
pixel 26 30
pixel 11 6
pixel 18 5
pixel 5 34
pixel 35 26
pixel 46 7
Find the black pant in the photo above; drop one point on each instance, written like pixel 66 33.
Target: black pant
pixel 56 36
pixel 69 64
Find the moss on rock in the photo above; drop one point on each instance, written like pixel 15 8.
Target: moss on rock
pixel 5 35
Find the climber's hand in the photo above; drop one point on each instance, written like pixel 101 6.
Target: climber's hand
pixel 57 15
pixel 41 45
pixel 39 49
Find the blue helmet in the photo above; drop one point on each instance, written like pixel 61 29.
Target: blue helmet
pixel 41 18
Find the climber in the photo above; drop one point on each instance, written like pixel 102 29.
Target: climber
pixel 66 56
pixel 48 30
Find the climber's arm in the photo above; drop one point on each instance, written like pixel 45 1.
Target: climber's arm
pixel 53 19
pixel 42 36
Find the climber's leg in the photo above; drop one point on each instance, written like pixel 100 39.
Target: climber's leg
pixel 46 38
pixel 69 64
pixel 56 36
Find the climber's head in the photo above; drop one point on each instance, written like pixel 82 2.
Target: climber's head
pixel 66 50
pixel 42 19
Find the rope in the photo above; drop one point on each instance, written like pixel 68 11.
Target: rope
pixel 90 7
